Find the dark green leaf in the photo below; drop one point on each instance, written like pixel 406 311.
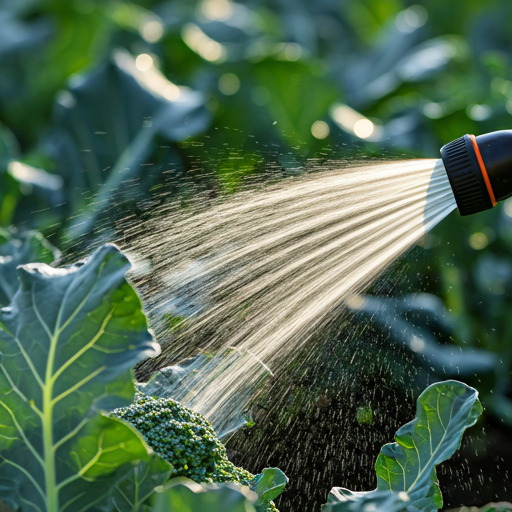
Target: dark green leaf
pixel 443 413
pixel 9 148
pixel 295 108
pixel 393 316
pixel 186 496
pixel 376 501
pixel 106 125
pixel 15 250
pixel 140 483
pixel 68 340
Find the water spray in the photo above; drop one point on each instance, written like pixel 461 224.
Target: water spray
pixel 479 170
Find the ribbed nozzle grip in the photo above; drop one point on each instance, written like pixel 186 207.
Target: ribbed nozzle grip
pixel 465 176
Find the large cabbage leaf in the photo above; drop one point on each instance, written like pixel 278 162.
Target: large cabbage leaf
pixel 406 469
pixel 401 318
pixel 67 341
pixel 106 127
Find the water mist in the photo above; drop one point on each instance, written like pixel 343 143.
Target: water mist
pixel 250 278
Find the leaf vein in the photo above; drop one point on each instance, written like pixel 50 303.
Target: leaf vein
pixel 22 433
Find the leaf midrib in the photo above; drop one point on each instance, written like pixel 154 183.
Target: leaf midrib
pixel 49 447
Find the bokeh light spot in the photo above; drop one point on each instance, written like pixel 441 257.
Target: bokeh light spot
pixel 320 129
pixel 152 30
pixel 417 344
pixel 478 241
pixel 433 110
pixel 292 52
pixel 206 47
pixel 479 112
pixel 355 123
pixel 217 10
pixel 171 92
pixel 507 208
pixel 364 128
pixel 229 84
pixel 144 62
pixel 411 19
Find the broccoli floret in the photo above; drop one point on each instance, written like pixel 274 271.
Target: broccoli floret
pixel 183 438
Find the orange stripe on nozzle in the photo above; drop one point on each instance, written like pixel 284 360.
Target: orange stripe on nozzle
pixel 483 170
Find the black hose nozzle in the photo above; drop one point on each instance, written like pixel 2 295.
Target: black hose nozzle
pixel 479 170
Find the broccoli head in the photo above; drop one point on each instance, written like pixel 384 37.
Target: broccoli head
pixel 186 440
pixel 183 438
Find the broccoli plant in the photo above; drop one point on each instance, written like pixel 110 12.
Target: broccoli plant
pixel 187 441
pixel 67 342
pixel 406 469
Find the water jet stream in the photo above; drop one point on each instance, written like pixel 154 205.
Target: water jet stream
pixel 257 273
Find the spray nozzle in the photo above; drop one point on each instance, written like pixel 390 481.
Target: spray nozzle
pixel 479 170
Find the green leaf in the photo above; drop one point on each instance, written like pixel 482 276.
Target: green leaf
pixel 67 341
pixel 140 483
pixel 393 316
pixel 17 250
pixel 105 451
pixel 375 501
pixel 183 495
pixel 490 507
pixel 296 107
pixel 268 485
pixel 408 466
pixel 443 413
pixel 9 189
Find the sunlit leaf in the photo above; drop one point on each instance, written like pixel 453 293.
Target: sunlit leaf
pixel 268 485
pixel 68 340
pixel 406 469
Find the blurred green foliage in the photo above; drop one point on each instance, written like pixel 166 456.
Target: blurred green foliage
pixel 109 105
pixel 120 93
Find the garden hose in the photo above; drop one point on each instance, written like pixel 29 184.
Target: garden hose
pixel 479 170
